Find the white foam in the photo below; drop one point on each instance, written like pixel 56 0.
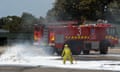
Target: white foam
pixel 21 55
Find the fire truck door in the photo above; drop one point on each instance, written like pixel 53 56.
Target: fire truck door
pixel 92 31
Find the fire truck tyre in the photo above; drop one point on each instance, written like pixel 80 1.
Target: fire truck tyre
pixel 104 50
pixel 51 50
pixel 104 46
pixel 86 52
pixel 59 52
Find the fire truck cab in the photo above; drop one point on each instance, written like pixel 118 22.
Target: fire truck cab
pixel 80 38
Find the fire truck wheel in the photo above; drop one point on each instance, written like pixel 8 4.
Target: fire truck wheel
pixel 58 51
pixel 86 52
pixel 50 50
pixel 104 46
pixel 104 50
pixel 53 51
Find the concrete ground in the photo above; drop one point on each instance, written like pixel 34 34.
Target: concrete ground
pixel 62 70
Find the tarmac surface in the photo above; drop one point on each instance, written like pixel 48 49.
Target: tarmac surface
pixel 38 69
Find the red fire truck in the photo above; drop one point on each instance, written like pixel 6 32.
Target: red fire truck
pixel 80 38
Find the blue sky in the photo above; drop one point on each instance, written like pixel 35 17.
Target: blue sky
pixel 17 7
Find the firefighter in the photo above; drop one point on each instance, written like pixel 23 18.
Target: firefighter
pixel 67 54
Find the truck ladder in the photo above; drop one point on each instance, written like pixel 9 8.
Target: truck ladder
pixel 45 35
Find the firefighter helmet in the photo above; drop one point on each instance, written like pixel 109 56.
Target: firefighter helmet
pixel 66 45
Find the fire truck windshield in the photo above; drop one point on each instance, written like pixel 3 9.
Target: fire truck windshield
pixel 111 31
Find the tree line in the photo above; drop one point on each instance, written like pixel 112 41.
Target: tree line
pixel 22 23
pixel 79 9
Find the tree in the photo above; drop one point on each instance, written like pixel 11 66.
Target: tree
pixel 11 23
pixel 75 9
pixel 27 22
pixel 1 22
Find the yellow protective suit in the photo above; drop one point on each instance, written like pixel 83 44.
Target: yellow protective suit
pixel 66 54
